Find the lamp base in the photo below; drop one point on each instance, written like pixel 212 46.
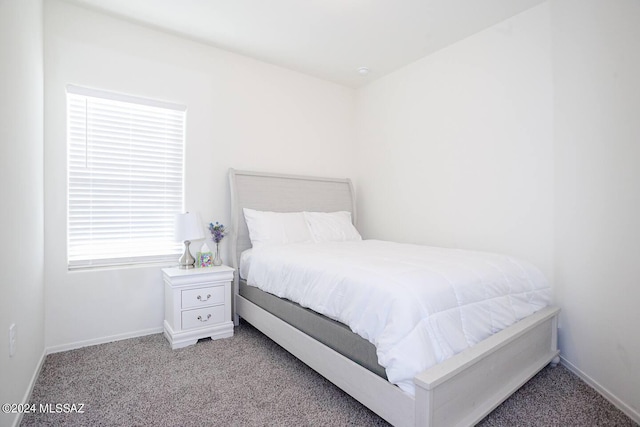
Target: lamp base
pixel 187 260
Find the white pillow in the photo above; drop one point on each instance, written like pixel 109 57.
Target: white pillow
pixel 331 227
pixel 276 228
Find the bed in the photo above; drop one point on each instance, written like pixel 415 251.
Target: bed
pixel 459 391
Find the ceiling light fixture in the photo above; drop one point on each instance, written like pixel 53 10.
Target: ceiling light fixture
pixel 363 71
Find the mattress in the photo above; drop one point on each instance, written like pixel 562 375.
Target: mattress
pixel 334 335
pixel 417 305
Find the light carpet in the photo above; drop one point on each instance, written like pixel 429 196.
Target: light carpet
pixel 248 380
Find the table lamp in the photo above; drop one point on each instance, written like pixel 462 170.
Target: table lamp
pixel 187 228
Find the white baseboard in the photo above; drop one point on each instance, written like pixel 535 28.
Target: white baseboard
pixel 103 340
pixel 629 411
pixel 32 383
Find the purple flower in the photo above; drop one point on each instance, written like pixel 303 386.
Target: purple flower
pixel 217 231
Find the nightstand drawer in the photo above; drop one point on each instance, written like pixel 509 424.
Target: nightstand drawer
pixel 202 317
pixel 203 296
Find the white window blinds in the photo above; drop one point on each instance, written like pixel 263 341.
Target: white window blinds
pixel 125 184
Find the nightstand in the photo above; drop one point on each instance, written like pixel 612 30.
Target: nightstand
pixel 197 304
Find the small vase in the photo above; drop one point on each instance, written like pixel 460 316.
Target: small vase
pixel 217 260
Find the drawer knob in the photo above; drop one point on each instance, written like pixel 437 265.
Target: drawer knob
pixel 204 320
pixel 206 299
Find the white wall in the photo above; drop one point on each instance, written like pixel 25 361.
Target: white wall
pixel 456 149
pixel 21 192
pixel 597 149
pixel 242 113
pixel 524 139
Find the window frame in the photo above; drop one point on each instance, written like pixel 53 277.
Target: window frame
pixel 125 251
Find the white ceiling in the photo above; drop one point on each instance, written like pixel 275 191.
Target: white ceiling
pixel 329 39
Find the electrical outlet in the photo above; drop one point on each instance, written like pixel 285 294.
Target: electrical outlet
pixel 12 339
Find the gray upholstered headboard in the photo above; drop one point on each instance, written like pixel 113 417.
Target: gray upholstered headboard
pixel 282 193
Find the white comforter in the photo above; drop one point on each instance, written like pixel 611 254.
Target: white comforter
pixel 418 305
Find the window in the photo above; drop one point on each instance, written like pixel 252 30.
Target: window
pixel 125 183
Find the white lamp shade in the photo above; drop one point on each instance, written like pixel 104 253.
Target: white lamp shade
pixel 188 227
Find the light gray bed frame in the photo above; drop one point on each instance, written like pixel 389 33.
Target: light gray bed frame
pixel 459 391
